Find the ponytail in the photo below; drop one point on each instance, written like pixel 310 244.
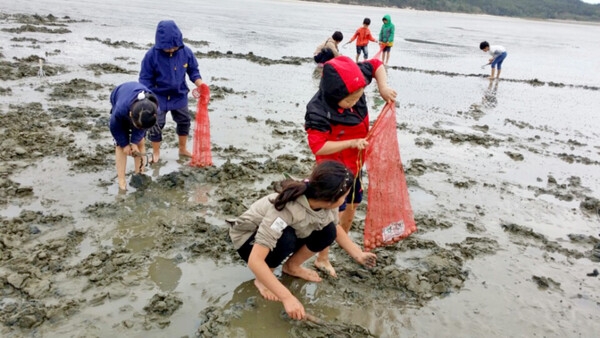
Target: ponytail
pixel 290 191
pixel 329 181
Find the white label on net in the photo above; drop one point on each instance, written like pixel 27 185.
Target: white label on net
pixel 393 230
pixel 278 225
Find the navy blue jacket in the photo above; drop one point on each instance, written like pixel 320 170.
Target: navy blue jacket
pixel 121 127
pixel 164 73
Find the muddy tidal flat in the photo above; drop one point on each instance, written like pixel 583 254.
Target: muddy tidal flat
pixel 503 176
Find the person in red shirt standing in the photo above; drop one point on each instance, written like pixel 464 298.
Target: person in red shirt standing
pixel 337 123
pixel 362 37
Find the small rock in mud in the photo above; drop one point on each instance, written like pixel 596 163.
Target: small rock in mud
pixel 546 283
pixel 424 142
pixel 163 304
pixel 473 228
pixel 591 205
pixel 595 255
pixel 140 181
pixel 26 315
pixel 515 156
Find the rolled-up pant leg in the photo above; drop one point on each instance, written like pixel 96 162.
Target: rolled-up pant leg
pixel 182 117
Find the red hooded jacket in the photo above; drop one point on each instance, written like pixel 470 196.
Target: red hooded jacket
pixel 326 121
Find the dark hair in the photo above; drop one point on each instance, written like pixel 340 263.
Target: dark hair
pixel 329 181
pixel 325 55
pixel 338 36
pixel 143 111
pixel 367 21
pixel 483 45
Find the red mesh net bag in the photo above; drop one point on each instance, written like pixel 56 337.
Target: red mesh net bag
pixel 378 54
pixel 201 155
pixel 389 214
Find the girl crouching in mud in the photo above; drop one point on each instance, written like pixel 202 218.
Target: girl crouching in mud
pixel 134 110
pixel 298 220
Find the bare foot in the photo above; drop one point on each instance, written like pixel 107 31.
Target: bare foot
pixel 264 291
pixel 155 158
pixel 326 267
pixel 301 272
pixel 185 153
pixel 122 185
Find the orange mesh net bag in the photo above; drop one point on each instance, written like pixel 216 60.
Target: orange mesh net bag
pixel 389 214
pixel 201 155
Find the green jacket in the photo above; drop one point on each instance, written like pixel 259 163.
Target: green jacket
pixel 387 30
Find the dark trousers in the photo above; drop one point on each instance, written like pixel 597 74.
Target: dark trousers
pixel 180 116
pixel 289 243
pixel 355 195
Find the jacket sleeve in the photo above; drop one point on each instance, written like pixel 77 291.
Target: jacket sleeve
pixel 118 130
pixel 316 139
pixel 147 72
pixel 316 124
pixel 137 135
pixel 354 36
pixel 192 70
pixel 271 227
pixel 315 116
pixel 392 33
pixel 371 38
pixel 368 68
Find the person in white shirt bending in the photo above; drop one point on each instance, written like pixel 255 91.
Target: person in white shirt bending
pixel 498 54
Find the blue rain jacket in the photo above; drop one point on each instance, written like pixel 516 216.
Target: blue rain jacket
pixel 164 73
pixel 121 127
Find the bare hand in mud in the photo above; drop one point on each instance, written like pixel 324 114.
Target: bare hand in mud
pixel 360 143
pixel 294 308
pixel 367 259
pixel 388 94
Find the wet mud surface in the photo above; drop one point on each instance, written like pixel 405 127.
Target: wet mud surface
pixel 53 268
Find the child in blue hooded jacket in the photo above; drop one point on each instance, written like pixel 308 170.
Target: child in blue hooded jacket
pixel 134 109
pixel 163 71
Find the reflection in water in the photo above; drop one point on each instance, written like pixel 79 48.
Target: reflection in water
pixel 137 243
pixel 489 96
pixel 202 193
pixel 260 317
pixel 165 273
pixel 254 315
pixel 249 315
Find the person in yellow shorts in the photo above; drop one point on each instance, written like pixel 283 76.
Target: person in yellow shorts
pixel 386 38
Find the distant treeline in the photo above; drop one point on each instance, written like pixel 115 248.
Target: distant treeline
pixel 544 9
